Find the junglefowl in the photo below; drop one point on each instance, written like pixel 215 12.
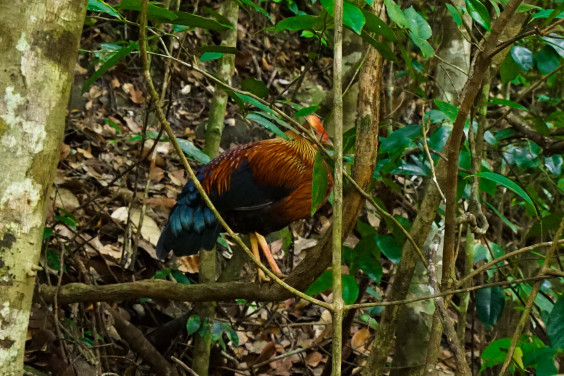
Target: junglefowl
pixel 258 188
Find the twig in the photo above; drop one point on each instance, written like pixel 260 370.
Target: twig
pixel 524 93
pixel 528 307
pixel 184 366
pixel 338 302
pixel 448 325
pixel 431 162
pixel 505 257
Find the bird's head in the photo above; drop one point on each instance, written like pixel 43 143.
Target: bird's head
pixel 319 131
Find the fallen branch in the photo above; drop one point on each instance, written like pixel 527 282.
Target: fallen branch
pixel 141 346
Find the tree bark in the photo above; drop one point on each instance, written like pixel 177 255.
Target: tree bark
pixel 39 47
pixel 214 128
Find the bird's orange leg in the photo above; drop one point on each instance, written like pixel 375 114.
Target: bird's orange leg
pixel 266 250
pixel 254 248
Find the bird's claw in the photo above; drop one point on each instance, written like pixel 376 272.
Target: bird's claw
pixel 263 278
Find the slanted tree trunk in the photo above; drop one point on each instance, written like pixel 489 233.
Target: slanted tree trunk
pixel 39 44
pixel 451 74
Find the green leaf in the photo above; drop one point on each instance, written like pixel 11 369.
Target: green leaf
pixel 306 111
pixel 180 277
pixel 257 87
pixel 547 60
pixel 417 24
pixel 508 103
pixel 448 109
pixel 376 25
pixel 553 164
pixel 439 138
pixel 382 47
pixel 523 57
pixel 193 20
pixel 247 99
pixel 192 151
pixel 162 274
pixel 116 58
pixel 545 13
pixel 54 259
pixel 216 331
pixel 350 288
pixel 509 69
pixel 319 182
pixel 503 218
pixel 349 139
pixel 69 220
pixel 555 325
pixel 279 121
pixel 479 13
pixel 266 124
pixel 207 56
pixel 557 43
pixel 305 22
pixel 455 15
pixel 47 232
pixel 231 334
pixel 257 8
pixel 518 358
pixel 495 353
pixel 193 324
pixel 364 229
pixel 353 17
pixel 507 183
pixel 370 266
pixel 389 246
pixel 101 6
pixel 426 49
pixel 400 139
pixel 540 357
pixel 322 283
pixel 219 17
pixel 489 304
pixel 367 247
pixel 396 14
pixel 154 12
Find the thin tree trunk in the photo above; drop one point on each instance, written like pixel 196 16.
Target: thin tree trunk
pixel 214 129
pixel 450 82
pixel 39 47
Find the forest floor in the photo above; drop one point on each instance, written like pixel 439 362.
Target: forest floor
pixel 109 178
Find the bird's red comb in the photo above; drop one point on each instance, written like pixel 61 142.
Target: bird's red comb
pixel 315 123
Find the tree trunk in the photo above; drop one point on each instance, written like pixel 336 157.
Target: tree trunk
pixel 39 47
pixel 214 130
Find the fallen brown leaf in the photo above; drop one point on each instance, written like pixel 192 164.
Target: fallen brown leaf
pixel 360 338
pixel 313 359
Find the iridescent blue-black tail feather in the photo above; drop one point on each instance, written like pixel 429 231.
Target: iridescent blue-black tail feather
pixel 191 226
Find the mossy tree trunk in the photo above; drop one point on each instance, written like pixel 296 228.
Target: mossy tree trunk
pixel 214 129
pixel 39 44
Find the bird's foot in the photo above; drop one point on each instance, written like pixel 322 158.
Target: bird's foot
pixel 263 278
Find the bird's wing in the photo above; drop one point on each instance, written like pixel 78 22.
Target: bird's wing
pixel 246 192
